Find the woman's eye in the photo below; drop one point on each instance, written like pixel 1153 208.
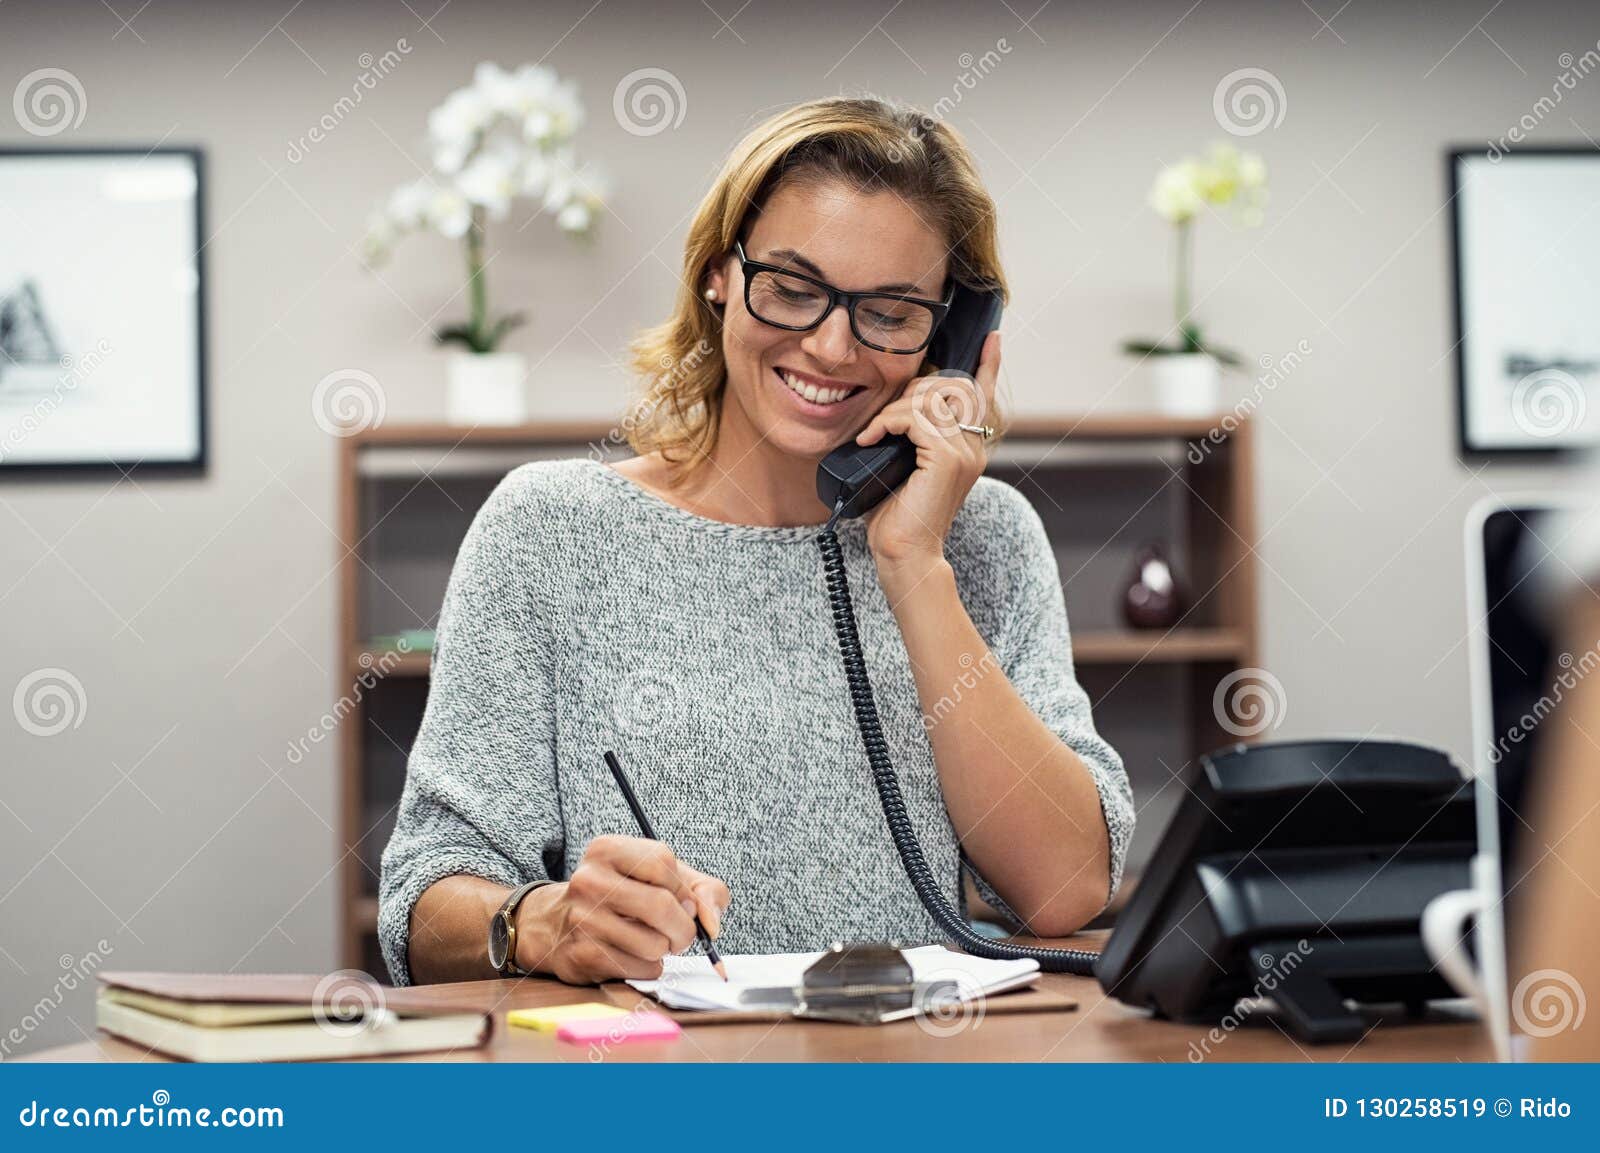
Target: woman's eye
pixel 794 296
pixel 879 320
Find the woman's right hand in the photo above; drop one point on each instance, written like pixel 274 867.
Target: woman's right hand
pixel 629 902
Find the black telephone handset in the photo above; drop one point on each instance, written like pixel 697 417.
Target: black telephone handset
pixel 863 475
pixel 850 481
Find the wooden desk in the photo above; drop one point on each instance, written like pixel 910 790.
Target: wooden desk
pixel 1099 1030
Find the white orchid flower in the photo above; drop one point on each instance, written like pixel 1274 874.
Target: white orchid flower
pixel 494 86
pixel 562 182
pixel 454 126
pixel 449 213
pixel 490 181
pixel 536 171
pixel 1252 171
pixel 408 204
pixel 1176 194
pixel 575 217
pixel 586 196
pixel 556 118
pixel 451 158
pixel 503 136
pixel 534 83
pixel 510 93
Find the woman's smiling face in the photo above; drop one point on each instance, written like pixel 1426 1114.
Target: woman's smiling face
pixel 853 240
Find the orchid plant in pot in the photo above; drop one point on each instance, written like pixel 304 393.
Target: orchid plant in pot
pixel 1187 370
pixel 505 137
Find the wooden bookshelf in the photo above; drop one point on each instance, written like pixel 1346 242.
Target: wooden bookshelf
pixel 1101 483
pixel 404 665
pixel 1178 645
pixel 1105 647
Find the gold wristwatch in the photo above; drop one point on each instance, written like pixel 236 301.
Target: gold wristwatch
pixel 503 931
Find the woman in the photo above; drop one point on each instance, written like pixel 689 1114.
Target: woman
pixel 673 608
pixel 1555 967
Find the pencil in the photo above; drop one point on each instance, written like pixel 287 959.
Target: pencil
pixel 644 827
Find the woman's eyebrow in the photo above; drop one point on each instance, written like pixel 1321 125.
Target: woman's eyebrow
pixel 792 257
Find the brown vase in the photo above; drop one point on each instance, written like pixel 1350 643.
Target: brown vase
pixel 1152 598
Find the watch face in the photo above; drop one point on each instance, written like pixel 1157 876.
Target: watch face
pixel 499 941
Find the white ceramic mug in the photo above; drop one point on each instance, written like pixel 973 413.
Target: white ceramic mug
pixel 1447 920
pixel 1446 923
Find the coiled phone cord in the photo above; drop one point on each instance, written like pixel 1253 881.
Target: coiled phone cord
pixel 894 806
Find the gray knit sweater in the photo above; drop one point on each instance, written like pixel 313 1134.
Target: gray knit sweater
pixel 585 613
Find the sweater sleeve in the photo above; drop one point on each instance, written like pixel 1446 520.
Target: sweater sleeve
pixel 1035 653
pixel 480 795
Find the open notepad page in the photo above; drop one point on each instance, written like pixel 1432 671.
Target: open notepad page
pixel 762 982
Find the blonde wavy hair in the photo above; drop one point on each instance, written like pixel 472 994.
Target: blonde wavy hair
pixel 870 145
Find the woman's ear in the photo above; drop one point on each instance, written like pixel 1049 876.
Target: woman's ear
pixel 715 286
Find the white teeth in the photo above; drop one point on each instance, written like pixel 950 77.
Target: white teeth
pixel 812 393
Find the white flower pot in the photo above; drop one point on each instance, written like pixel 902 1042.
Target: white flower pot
pixel 1187 384
pixel 486 388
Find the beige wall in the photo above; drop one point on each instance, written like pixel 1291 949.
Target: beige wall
pixel 199 615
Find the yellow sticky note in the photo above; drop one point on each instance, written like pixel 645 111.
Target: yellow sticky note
pixel 552 1017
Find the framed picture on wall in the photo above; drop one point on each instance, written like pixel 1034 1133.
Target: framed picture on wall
pixel 1527 276
pixel 102 309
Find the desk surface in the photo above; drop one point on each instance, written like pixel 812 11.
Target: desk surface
pixel 1100 1029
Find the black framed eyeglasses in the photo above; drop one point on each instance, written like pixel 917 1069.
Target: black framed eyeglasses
pixel 885 321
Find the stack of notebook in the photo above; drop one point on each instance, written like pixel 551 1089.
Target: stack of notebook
pixel 279 1017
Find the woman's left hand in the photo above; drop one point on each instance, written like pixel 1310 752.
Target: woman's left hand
pixel 910 527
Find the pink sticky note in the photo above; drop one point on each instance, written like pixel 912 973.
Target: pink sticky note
pixel 615 1030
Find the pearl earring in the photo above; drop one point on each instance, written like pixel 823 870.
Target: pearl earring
pixel 711 294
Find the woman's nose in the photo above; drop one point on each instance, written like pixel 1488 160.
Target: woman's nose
pixel 832 343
